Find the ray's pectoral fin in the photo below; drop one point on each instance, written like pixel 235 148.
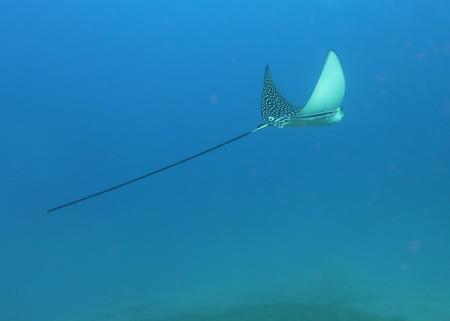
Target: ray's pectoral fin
pixel 275 109
pixel 324 105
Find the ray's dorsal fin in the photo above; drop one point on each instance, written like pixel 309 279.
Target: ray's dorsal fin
pixel 273 104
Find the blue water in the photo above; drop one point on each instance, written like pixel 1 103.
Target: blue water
pixel 96 92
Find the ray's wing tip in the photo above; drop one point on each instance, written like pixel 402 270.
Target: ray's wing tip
pixel 332 52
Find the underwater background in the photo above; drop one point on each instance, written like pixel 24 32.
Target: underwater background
pixel 344 222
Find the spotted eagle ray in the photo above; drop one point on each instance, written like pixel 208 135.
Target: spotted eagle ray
pixel 322 108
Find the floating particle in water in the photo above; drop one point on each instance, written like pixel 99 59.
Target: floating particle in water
pixel 413 246
pixel 213 99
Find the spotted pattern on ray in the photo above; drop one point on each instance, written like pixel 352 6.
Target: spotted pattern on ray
pixel 274 107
